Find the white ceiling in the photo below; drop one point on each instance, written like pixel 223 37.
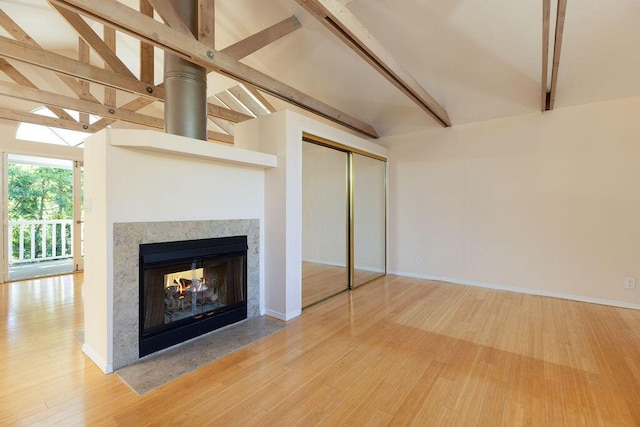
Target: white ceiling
pixel 479 59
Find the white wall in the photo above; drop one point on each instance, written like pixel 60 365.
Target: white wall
pixel 130 185
pixel 544 203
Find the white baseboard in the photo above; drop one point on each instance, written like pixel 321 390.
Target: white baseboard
pixel 602 301
pixel 282 316
pixel 105 367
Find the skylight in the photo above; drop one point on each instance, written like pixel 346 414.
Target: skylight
pixel 52 135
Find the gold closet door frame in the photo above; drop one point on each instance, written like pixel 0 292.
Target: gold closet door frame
pixel 313 139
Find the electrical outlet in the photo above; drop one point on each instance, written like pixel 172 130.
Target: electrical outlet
pixel 363 254
pixel 629 283
pixel 419 260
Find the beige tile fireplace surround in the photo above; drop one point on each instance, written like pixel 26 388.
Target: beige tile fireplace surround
pixel 126 240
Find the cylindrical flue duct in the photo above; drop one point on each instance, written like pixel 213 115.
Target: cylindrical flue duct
pixel 185 85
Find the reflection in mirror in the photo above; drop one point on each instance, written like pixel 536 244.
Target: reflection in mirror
pixel 324 223
pixel 368 219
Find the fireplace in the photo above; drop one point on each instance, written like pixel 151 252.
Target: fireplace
pixel 190 287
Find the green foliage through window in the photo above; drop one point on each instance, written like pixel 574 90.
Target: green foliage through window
pixel 40 193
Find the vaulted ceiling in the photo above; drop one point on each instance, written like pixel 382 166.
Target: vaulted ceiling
pixel 478 60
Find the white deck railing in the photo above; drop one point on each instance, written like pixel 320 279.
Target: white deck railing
pixel 40 240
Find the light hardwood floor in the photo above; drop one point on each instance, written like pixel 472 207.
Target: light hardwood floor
pixel 396 351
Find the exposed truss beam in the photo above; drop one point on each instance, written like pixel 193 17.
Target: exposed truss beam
pixel 80 105
pixel 147 64
pixel 123 18
pixel 246 47
pixel 226 126
pixel 39 96
pixel 220 137
pixel 19 34
pixel 230 101
pixel 226 113
pixel 97 44
pixel 170 16
pixel 36 119
pixel 22 80
pixel 337 18
pixel 207 22
pixel 61 64
pixel 84 56
pixel 133 106
pixel 242 95
pixel 110 94
pixel 147 71
pixel 557 48
pixel 546 18
pixel 261 98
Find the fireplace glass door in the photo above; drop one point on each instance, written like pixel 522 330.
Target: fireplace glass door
pixel 191 291
pixel 187 296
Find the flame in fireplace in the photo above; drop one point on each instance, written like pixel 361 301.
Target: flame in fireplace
pixel 186 285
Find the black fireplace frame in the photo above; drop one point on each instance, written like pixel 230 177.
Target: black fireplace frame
pixel 153 255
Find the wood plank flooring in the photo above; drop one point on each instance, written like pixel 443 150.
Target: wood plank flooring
pixel 397 351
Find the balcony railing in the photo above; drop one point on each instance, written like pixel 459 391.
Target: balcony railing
pixel 31 241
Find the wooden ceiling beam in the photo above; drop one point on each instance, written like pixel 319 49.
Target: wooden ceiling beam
pixel 147 55
pixel 19 116
pixel 248 101
pixel 213 111
pixel 226 113
pixel 80 105
pixel 170 16
pixel 110 94
pixel 226 126
pixel 22 80
pixel 84 56
pixel 237 50
pixel 99 45
pixel 133 106
pixel 19 34
pixel 246 47
pixel 36 119
pixel 64 65
pixel 261 98
pixel 557 48
pixel 207 22
pixel 337 18
pixel 230 101
pixel 546 18
pixel 220 137
pixel 123 18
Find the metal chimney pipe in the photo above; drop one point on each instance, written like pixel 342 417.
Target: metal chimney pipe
pixel 185 85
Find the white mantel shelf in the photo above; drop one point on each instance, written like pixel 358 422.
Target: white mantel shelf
pixel 188 147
